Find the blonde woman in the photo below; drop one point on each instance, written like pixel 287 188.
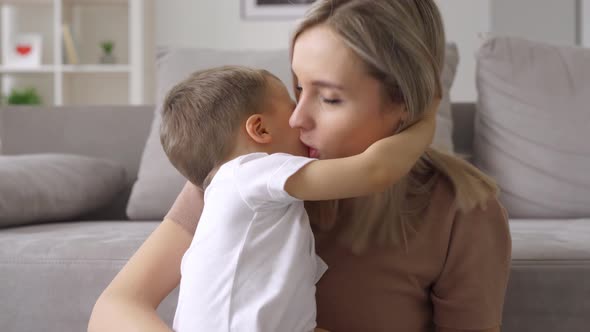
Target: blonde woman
pixel 432 253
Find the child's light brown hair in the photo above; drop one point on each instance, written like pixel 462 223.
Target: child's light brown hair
pixel 201 117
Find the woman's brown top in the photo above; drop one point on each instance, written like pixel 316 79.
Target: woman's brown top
pixel 453 272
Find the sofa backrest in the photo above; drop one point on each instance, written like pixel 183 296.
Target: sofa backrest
pixel 116 133
pixel 112 132
pixel 463 123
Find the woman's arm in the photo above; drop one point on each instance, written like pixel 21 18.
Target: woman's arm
pixel 380 166
pixel 129 302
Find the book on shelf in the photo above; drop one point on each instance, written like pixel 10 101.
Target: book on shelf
pixel 70 50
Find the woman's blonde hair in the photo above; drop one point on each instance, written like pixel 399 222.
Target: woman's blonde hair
pixel 402 44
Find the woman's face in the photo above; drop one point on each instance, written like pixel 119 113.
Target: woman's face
pixel 341 109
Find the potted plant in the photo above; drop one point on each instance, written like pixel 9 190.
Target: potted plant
pixel 27 96
pixel 107 52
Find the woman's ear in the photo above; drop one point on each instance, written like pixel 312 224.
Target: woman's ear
pixel 257 130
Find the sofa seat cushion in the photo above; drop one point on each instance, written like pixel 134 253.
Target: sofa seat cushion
pixel 55 272
pixel 549 284
pixel 550 240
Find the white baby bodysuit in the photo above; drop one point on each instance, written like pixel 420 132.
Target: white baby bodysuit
pixel 251 265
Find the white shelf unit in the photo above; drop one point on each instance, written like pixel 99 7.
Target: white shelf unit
pixel 132 70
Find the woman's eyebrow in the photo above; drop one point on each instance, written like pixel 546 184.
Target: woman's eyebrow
pixel 326 84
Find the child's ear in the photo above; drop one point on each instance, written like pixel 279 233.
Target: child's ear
pixel 257 130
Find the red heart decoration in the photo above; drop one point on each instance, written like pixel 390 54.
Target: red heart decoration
pixel 23 49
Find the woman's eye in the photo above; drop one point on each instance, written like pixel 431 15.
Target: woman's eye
pixel 299 88
pixel 331 101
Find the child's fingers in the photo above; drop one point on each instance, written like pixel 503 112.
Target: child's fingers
pixel 433 107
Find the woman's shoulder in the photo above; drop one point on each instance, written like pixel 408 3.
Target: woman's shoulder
pixel 476 248
pixel 461 184
pixel 446 197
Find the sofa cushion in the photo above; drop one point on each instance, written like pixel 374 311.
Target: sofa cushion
pixel 52 274
pixel 547 292
pixel 52 187
pixel 532 124
pixel 159 183
pixel 548 288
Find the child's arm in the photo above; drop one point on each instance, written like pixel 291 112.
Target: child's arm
pixel 380 166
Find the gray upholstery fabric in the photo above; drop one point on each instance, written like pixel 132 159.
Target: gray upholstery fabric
pixel 51 275
pixel 532 126
pixel 549 288
pixel 463 117
pixel 159 183
pixel 56 272
pixel 55 187
pixel 116 133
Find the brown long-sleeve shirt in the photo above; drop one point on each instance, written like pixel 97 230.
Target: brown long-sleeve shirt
pixel 452 274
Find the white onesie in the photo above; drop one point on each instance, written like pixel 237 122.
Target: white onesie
pixel 251 265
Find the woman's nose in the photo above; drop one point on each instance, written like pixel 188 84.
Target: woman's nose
pixel 301 117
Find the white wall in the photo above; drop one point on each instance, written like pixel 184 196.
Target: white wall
pixel 465 21
pixel 218 24
pixel 548 21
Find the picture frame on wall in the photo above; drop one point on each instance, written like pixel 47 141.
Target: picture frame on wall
pixel 274 9
pixel 23 51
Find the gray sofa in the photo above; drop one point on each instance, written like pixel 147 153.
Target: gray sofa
pixel 51 274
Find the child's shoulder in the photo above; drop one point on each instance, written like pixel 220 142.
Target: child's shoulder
pixel 261 158
pixel 250 157
pixel 258 163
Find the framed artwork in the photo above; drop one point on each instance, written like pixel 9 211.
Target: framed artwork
pixel 274 9
pixel 23 51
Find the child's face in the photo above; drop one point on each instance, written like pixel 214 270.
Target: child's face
pixel 278 110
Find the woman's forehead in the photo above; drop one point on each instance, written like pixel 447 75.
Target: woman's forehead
pixel 319 54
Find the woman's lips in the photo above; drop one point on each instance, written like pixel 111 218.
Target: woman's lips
pixel 313 153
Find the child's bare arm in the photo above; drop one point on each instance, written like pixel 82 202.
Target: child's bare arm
pixel 384 163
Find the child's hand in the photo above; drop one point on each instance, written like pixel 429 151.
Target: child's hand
pixel 426 126
pixel 430 113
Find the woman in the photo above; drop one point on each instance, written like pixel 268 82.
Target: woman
pixel 430 254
